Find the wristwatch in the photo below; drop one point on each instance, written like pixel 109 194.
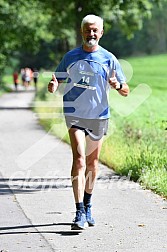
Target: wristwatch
pixel 119 87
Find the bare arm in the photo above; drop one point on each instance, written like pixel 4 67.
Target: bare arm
pixel 122 88
pixel 124 91
pixel 53 84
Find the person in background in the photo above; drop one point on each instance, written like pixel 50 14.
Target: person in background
pixel 16 79
pixel 90 71
pixel 22 72
pixel 35 77
pixel 27 76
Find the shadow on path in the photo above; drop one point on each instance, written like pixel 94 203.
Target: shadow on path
pixel 63 232
pixel 29 185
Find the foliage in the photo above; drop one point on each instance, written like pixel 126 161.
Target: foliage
pixel 27 25
pixel 48 55
pixel 22 24
pixel 129 14
pixel 151 39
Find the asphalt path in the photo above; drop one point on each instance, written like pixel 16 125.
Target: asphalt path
pixel 36 199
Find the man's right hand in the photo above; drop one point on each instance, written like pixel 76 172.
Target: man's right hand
pixel 53 84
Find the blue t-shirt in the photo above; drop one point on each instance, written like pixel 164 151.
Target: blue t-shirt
pixel 87 74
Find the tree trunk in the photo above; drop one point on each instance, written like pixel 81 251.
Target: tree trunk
pixel 79 7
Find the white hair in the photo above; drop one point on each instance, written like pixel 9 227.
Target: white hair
pixel 92 19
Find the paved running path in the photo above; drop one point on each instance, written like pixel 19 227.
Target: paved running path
pixel 36 199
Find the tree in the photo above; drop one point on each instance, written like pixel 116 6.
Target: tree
pixel 129 14
pixel 25 23
pixel 151 39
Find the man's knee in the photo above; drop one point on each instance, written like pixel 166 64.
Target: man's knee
pixel 92 163
pixel 79 163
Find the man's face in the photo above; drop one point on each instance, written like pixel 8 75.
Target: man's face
pixel 91 34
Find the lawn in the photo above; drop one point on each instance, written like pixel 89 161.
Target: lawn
pixel 138 144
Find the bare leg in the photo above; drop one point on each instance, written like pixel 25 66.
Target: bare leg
pixel 93 149
pixel 77 138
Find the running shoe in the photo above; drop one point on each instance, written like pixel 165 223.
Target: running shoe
pixel 89 218
pixel 79 222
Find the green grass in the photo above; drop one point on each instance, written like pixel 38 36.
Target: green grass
pixel 4 88
pixel 139 139
pixel 136 143
pixel 8 79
